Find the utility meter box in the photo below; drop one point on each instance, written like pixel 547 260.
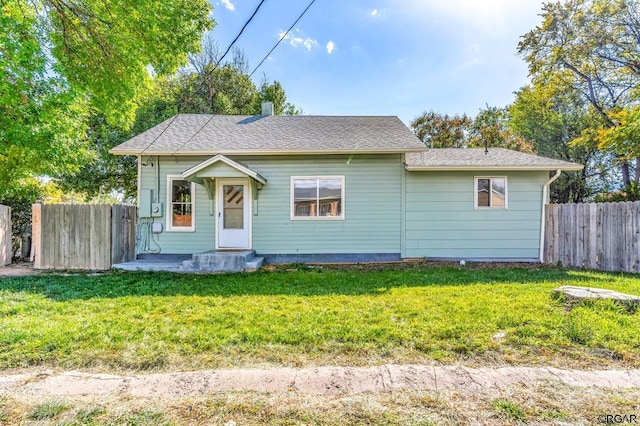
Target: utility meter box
pixel 156 209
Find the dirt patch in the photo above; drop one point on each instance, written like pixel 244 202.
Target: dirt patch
pixel 387 394
pixel 317 381
pixel 18 269
pixel 403 265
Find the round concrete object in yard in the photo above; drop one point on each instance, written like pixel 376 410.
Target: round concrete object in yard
pixel 575 294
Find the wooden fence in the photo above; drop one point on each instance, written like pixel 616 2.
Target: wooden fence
pixel 601 236
pixel 5 235
pixel 82 236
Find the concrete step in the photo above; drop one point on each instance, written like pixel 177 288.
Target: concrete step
pixel 229 261
pixel 254 264
pixel 150 265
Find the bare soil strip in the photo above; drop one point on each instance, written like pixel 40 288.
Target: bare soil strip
pixel 318 381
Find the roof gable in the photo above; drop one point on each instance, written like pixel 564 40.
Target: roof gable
pixel 220 166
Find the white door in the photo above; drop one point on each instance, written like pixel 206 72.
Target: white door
pixel 233 199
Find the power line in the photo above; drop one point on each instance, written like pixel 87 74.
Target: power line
pixel 282 38
pixel 209 71
pixel 158 137
pixel 239 34
pixel 194 135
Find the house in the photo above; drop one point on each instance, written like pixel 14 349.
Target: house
pixel 324 188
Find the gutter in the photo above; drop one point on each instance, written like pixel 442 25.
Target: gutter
pixel 545 196
pixel 456 168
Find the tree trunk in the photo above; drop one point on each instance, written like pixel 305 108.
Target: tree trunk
pixel 626 175
pixel 637 174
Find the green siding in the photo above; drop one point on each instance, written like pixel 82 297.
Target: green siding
pixel 441 221
pixel 179 242
pixel 438 219
pixel 372 206
pixel 220 169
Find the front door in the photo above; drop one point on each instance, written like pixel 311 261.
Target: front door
pixel 232 212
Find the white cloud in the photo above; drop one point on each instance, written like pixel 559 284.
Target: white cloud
pixel 377 13
pixel 228 4
pixel 295 40
pixel 330 46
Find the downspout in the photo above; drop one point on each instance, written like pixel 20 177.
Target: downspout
pixel 545 196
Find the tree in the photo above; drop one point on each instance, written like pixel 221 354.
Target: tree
pixel 106 47
pixel 202 89
pixel 492 126
pixel 489 127
pixel 41 117
pixel 105 173
pixel 273 92
pixel 62 59
pixel 551 117
pixel 593 47
pixel 624 137
pixel 438 130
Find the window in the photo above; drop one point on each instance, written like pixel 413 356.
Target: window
pixel 317 197
pixel 491 192
pixel 180 204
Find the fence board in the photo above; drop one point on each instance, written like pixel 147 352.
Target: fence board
pixel 73 236
pixel 123 233
pixel 602 236
pixel 5 235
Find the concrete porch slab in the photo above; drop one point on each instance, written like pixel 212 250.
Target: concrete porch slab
pixel 226 261
pixel 150 265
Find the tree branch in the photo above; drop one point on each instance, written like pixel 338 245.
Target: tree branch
pixel 591 96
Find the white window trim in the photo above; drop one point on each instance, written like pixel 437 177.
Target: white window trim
pixel 475 193
pixel 169 211
pixel 306 218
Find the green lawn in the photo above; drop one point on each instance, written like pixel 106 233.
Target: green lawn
pixel 163 321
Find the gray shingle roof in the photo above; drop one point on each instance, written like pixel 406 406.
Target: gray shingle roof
pixel 476 159
pixel 234 134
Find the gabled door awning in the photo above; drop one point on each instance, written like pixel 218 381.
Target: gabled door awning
pixel 220 166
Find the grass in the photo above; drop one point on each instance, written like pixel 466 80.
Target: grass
pixel 312 316
pixel 509 410
pixel 543 403
pixel 47 410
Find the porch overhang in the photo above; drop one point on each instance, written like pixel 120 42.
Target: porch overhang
pixel 220 166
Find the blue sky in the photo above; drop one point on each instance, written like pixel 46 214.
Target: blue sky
pixel 386 57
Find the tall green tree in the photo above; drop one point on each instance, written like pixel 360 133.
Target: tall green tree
pixel 492 126
pixel 41 117
pixel 439 130
pixel 105 173
pixel 202 88
pixel 274 92
pixel 551 117
pixel 489 127
pixel 593 48
pixel 61 60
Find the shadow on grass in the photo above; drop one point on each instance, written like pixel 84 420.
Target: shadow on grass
pixel 296 281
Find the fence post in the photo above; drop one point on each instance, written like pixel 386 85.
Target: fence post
pixel 6 249
pixel 36 235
